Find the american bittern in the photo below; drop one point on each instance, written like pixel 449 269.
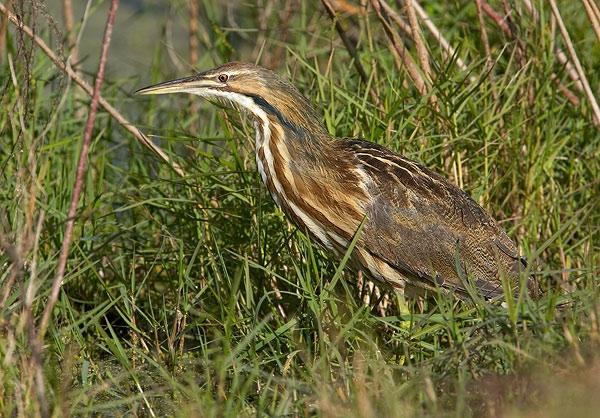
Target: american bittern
pixel 418 231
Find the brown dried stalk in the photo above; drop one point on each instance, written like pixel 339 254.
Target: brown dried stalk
pixel 283 25
pixel 193 31
pixel 398 20
pixel 193 55
pixel 560 55
pixel 571 97
pixel 498 19
pixel 521 51
pixel 593 15
pixel 81 170
pixel 450 51
pixel 352 51
pixel 401 54
pixel 14 256
pixel 418 38
pixel 506 25
pixel 484 37
pixel 586 85
pixel 346 7
pixel 595 8
pixel 489 62
pixel 347 43
pixel 447 50
pixel 137 134
pixel 34 342
pixel 68 17
pixel 3 30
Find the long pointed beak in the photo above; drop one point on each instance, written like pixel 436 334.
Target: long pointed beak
pixel 180 85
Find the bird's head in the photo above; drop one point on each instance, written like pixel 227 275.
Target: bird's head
pixel 257 90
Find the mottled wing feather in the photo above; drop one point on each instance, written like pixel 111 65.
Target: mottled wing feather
pixel 427 228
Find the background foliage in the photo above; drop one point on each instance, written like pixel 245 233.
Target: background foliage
pixel 191 295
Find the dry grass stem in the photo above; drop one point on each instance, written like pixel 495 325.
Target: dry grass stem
pixel 3 31
pixel 178 61
pixel 499 20
pixel 276 57
pixel 194 43
pixel 137 134
pixel 69 29
pixel 351 48
pixel 437 34
pixel 593 15
pixel 15 266
pixel 484 36
pixel 418 39
pixel 596 9
pixel 568 93
pixel 398 20
pixel 346 7
pixel 560 55
pixel 447 50
pixel 81 171
pixel 401 55
pixel 580 72
pixel 193 31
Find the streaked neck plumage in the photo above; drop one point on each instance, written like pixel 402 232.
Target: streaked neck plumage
pixel 308 174
pixel 293 152
pixel 289 135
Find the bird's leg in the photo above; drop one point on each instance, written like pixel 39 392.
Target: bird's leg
pixel 368 291
pixel 278 296
pixel 362 284
pixel 420 302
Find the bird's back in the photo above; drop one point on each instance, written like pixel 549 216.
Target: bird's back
pixel 424 228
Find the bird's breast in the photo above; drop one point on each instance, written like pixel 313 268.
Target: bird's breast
pixel 321 197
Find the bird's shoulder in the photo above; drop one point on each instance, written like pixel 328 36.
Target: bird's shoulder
pixel 406 183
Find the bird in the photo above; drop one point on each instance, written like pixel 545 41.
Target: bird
pixel 407 226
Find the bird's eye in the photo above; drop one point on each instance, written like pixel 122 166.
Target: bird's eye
pixel 223 78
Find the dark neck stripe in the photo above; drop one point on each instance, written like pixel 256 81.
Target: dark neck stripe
pixel 267 107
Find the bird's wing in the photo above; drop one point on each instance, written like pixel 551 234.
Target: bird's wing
pixel 425 227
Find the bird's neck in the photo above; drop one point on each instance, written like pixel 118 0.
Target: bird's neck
pixel 288 137
pixel 302 174
pixel 284 154
pixel 281 148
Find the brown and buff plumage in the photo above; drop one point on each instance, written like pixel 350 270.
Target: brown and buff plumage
pixel 419 231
